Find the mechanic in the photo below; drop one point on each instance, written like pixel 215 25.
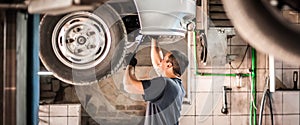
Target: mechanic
pixel 164 93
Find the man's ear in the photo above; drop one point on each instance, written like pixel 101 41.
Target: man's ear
pixel 169 65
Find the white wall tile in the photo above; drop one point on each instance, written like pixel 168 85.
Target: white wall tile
pixel 73 120
pixel 187 120
pixel 44 110
pixel 44 121
pixel 204 103
pixel 277 120
pixel 261 60
pixel 278 64
pixel 277 102
pixel 58 120
pixel 74 110
pixel 203 83
pixel 290 119
pixel 239 120
pixel 59 110
pixel 189 109
pixel 204 120
pixel 221 120
pixel 219 104
pixel 289 65
pixel 240 103
pixel 207 103
pixel 290 102
pixel 218 82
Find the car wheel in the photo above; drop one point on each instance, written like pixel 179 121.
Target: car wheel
pixel 264 28
pixel 78 47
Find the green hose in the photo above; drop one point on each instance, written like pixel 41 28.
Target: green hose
pixel 253 89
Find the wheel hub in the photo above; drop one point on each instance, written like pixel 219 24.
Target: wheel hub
pixel 81 40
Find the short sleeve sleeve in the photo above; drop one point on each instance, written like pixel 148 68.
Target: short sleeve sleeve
pixel 154 88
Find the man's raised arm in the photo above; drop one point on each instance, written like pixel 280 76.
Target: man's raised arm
pixel 156 53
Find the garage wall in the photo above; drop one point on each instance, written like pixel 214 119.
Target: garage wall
pixel 206 105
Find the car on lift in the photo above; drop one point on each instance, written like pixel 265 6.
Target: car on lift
pixel 82 42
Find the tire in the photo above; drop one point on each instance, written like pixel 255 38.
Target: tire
pixel 79 47
pixel 263 29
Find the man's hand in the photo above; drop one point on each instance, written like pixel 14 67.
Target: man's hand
pixel 130 59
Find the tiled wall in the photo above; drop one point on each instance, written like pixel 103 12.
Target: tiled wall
pixel 206 103
pixel 60 114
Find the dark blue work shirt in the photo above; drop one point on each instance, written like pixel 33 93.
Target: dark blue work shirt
pixel 165 96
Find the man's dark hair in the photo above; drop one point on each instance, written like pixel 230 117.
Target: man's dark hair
pixel 179 62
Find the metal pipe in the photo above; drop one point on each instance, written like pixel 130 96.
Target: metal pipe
pixel 190 39
pixel 9 83
pixel 36 68
pixel 4 62
pixel 34 92
pixel 21 67
pixel 272 73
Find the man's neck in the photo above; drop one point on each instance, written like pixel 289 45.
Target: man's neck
pixel 171 75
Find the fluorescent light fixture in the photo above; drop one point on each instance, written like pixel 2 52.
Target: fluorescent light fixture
pixel 45 73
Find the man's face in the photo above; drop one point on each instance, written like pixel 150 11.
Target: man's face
pixel 164 64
